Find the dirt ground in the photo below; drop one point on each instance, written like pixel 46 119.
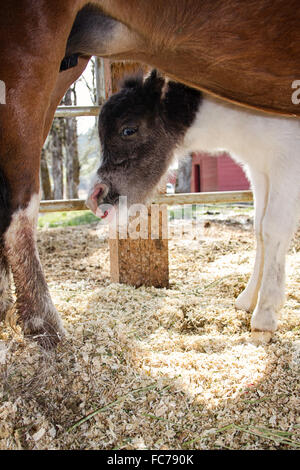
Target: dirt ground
pixel 154 368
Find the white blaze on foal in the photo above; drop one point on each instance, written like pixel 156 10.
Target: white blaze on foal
pixel 35 308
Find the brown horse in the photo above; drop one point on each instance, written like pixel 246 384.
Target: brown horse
pixel 244 51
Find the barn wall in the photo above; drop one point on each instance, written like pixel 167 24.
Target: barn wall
pixel 216 174
pixel 231 176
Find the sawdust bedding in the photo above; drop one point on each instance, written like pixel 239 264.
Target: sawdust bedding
pixel 154 368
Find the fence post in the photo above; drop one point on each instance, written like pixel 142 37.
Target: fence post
pixel 100 81
pixel 143 260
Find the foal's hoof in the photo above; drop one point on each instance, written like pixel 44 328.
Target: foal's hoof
pixel 244 303
pixel 261 337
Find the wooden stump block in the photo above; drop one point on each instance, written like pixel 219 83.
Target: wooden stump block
pixel 142 257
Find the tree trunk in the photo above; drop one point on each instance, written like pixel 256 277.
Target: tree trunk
pixel 56 136
pixel 45 177
pixel 71 147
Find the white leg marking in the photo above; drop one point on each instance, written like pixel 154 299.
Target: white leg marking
pixel 34 303
pixel 279 224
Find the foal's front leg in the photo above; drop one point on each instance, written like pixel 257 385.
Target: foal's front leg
pixel 34 305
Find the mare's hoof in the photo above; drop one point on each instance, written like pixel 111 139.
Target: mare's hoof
pixel 6 305
pixel 46 334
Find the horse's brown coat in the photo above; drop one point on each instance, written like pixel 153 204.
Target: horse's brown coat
pixel 246 51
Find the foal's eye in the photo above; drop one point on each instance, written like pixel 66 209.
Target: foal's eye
pixel 128 131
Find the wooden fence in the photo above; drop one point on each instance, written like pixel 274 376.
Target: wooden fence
pixel 218 197
pixel 143 261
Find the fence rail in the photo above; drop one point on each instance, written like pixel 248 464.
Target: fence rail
pixel 218 197
pixel 77 111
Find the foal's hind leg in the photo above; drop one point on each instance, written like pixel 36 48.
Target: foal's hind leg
pixel 248 298
pixel 279 223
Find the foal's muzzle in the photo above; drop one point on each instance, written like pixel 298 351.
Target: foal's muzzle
pixel 96 196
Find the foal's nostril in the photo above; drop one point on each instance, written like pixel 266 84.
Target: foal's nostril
pixel 99 193
pixel 96 196
pixel 103 191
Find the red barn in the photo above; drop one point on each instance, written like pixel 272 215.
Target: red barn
pixel 216 174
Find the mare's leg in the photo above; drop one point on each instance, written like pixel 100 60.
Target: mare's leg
pixel 21 171
pixel 248 298
pixel 63 81
pixel 34 305
pixel 278 226
pixel 29 67
pixel 5 292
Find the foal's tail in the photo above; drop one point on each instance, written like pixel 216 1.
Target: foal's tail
pixel 5 209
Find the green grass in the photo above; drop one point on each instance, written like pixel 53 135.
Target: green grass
pixel 73 218
pixel 66 219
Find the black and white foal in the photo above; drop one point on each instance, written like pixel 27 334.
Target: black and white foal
pixel 142 127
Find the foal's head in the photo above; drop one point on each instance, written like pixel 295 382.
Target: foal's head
pixel 139 129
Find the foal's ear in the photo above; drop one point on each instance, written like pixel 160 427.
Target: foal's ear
pixel 181 104
pixel 153 87
pixel 134 81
